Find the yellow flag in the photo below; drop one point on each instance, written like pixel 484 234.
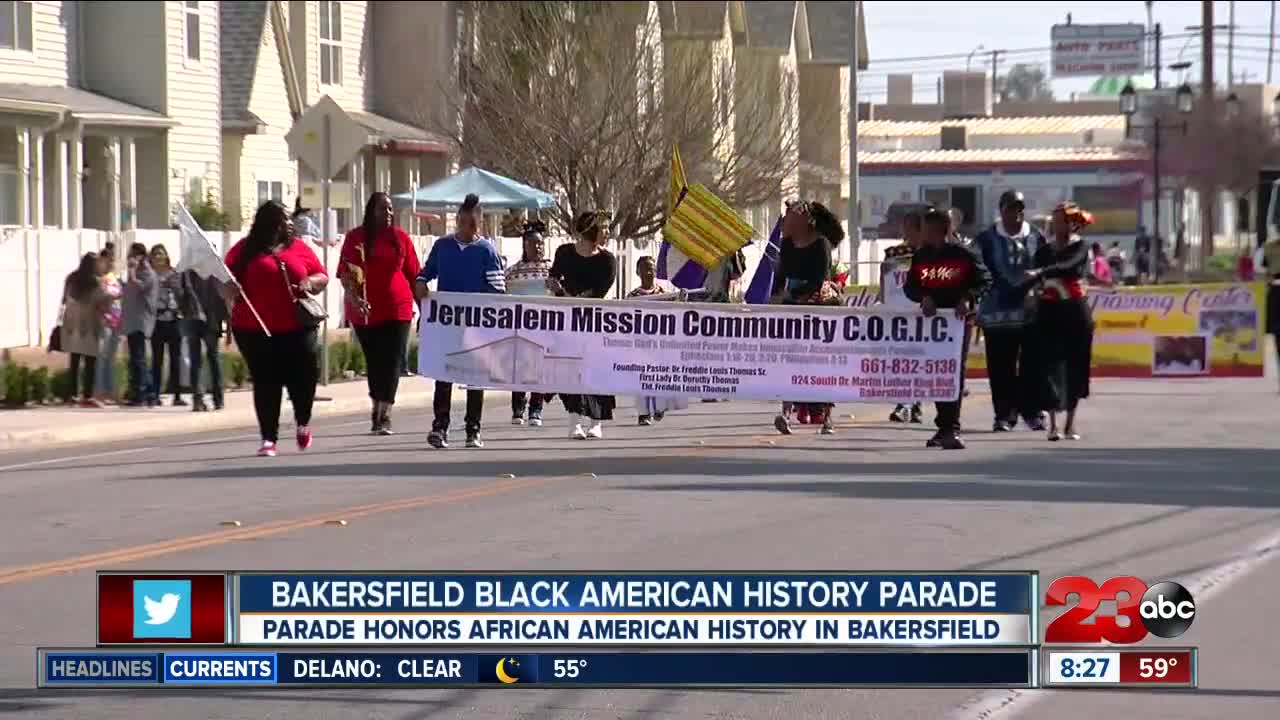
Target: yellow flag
pixel 678 182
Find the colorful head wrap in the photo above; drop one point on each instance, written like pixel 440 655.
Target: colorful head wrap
pixel 1077 217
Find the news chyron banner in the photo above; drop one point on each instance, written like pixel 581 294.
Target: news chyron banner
pixel 1160 331
pixel 668 349
pixel 608 629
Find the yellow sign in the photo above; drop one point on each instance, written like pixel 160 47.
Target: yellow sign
pixel 1160 331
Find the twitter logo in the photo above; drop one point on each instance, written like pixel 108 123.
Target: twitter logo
pixel 162 609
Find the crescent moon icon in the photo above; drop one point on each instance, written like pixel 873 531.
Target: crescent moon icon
pixel 501 672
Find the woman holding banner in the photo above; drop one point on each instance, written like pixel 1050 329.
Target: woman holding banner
pixel 810 233
pixel 1064 324
pixel 585 269
pixel 273 271
pixel 379 265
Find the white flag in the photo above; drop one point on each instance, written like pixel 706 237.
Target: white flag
pixel 198 251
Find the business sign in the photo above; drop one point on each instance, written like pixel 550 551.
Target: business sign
pixel 1097 50
pixel 665 349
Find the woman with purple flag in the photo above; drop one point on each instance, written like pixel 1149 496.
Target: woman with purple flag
pixel 810 233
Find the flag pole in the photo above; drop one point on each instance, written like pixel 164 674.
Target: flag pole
pixel 253 310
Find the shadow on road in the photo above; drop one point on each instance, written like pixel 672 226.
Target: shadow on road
pixel 1192 477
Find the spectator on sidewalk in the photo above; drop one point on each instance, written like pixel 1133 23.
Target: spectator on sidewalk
pixel 274 270
pixel 377 270
pixel 104 384
pixel 205 314
pixel 167 336
pixel 461 262
pixel 84 305
pixel 138 322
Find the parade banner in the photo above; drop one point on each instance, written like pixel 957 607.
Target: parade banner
pixel 1159 331
pixel 664 349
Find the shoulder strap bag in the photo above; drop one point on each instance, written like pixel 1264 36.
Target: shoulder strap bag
pixel 309 311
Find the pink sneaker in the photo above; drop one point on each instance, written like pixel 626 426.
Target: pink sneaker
pixel 304 437
pixel 268 449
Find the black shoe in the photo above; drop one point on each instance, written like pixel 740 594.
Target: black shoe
pixel 645 420
pixel 900 414
pixel 473 440
pixel 1001 427
pixel 657 417
pixel 438 439
pixel 219 404
pixel 179 402
pixel 1035 424
pixel 935 441
pixel 384 424
pixel 917 414
pixel 197 405
pixel 782 425
pixel 950 441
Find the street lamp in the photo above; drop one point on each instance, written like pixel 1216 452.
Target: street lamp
pixel 1233 106
pixel 1183 101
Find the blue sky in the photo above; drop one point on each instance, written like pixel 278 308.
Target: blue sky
pixel 928 29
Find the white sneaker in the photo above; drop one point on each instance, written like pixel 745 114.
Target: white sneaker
pixel 577 433
pixel 535 422
pixel 596 432
pixel 517 420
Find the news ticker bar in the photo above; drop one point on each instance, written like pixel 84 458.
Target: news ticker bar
pixel 107 668
pixel 557 610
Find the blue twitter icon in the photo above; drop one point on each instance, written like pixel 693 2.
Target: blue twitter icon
pixel 162 609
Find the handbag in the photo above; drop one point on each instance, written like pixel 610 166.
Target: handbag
pixel 309 311
pixel 55 336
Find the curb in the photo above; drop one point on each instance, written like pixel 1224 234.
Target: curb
pixel 138 424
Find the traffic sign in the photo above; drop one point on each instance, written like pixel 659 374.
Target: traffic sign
pixel 346 138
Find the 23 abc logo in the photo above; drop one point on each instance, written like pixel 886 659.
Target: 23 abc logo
pixel 1165 610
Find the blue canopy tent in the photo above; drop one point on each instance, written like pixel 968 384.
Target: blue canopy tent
pixel 494 191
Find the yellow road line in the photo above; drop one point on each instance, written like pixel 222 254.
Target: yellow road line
pixel 223 537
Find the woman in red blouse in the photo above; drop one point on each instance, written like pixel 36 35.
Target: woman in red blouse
pixel 378 268
pixel 274 270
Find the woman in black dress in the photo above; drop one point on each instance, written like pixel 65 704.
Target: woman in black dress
pixel 810 233
pixel 1064 324
pixel 586 270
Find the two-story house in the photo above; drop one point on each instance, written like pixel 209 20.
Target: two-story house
pixel 381 62
pixel 108 104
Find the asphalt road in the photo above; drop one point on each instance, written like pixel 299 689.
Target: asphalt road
pixel 1172 481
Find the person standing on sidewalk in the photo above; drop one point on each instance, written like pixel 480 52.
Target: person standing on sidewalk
pixel 1008 250
pixel 585 269
pixel 529 277
pixel 104 382
pixel 274 269
pixel 946 276
pixel 462 262
pixel 83 304
pixel 138 322
pixel 205 315
pixel 377 270
pixel 167 335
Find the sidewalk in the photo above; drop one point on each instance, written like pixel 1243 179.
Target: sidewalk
pixel 58 425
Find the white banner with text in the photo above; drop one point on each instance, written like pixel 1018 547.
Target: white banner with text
pixel 665 349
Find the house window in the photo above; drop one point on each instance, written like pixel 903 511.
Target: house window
pixel 330 43
pixel 17 28
pixel 268 191
pixel 192 12
pixel 8 195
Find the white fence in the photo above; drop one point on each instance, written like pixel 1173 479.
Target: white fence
pixel 34 264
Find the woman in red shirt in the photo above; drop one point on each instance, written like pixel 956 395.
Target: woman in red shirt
pixel 274 270
pixel 378 268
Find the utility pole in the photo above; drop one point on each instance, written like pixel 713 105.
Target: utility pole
pixel 855 217
pixel 1207 199
pixel 995 75
pixel 1231 44
pixel 1156 188
pixel 1271 44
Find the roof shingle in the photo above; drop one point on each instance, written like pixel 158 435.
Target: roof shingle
pixel 998 156
pixel 241 26
pixel 770 24
pixel 1070 124
pixel 80 102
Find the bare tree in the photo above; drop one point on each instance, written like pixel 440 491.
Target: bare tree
pixel 1218 152
pixel 585 99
